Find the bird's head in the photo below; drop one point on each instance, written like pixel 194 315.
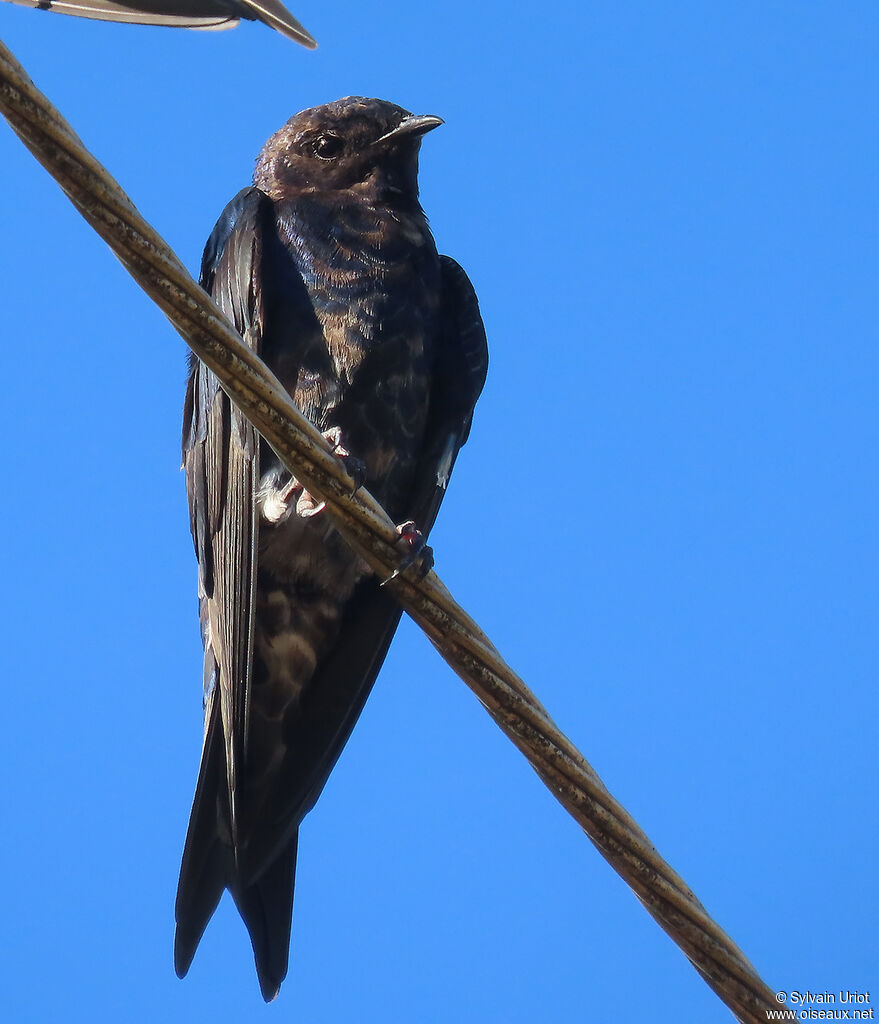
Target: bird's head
pixel 365 145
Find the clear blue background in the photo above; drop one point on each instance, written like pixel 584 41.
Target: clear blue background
pixel 666 518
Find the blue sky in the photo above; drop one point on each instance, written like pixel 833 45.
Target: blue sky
pixel 666 518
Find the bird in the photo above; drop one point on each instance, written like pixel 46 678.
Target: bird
pixel 204 14
pixel 327 268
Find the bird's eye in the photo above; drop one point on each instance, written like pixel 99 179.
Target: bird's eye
pixel 327 146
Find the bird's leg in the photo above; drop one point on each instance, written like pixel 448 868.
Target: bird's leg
pixel 415 549
pixel 355 468
pixel 278 507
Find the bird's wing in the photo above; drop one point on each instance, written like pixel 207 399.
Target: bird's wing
pixel 201 14
pixel 221 460
pixel 276 16
pixel 331 704
pixel 177 15
pixel 458 379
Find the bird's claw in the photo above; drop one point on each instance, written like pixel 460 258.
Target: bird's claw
pixel 354 467
pixel 307 506
pixel 306 503
pixel 415 549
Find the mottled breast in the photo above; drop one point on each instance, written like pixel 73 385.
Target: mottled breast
pixel 372 278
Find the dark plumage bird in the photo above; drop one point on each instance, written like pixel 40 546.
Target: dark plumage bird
pixel 328 269
pixel 182 13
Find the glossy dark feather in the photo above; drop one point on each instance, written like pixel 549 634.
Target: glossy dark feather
pixel 328 270
pixel 204 14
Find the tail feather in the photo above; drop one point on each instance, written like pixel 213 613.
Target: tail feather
pixel 266 907
pixel 208 868
pixel 206 859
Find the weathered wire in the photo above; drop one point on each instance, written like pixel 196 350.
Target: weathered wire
pixel 369 530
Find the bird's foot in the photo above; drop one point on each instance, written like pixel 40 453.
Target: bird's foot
pixel 415 550
pixel 281 502
pixel 355 468
pixel 278 504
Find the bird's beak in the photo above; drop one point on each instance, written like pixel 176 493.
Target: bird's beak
pixel 413 126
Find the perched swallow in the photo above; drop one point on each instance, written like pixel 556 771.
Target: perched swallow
pixel 329 271
pixel 213 14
